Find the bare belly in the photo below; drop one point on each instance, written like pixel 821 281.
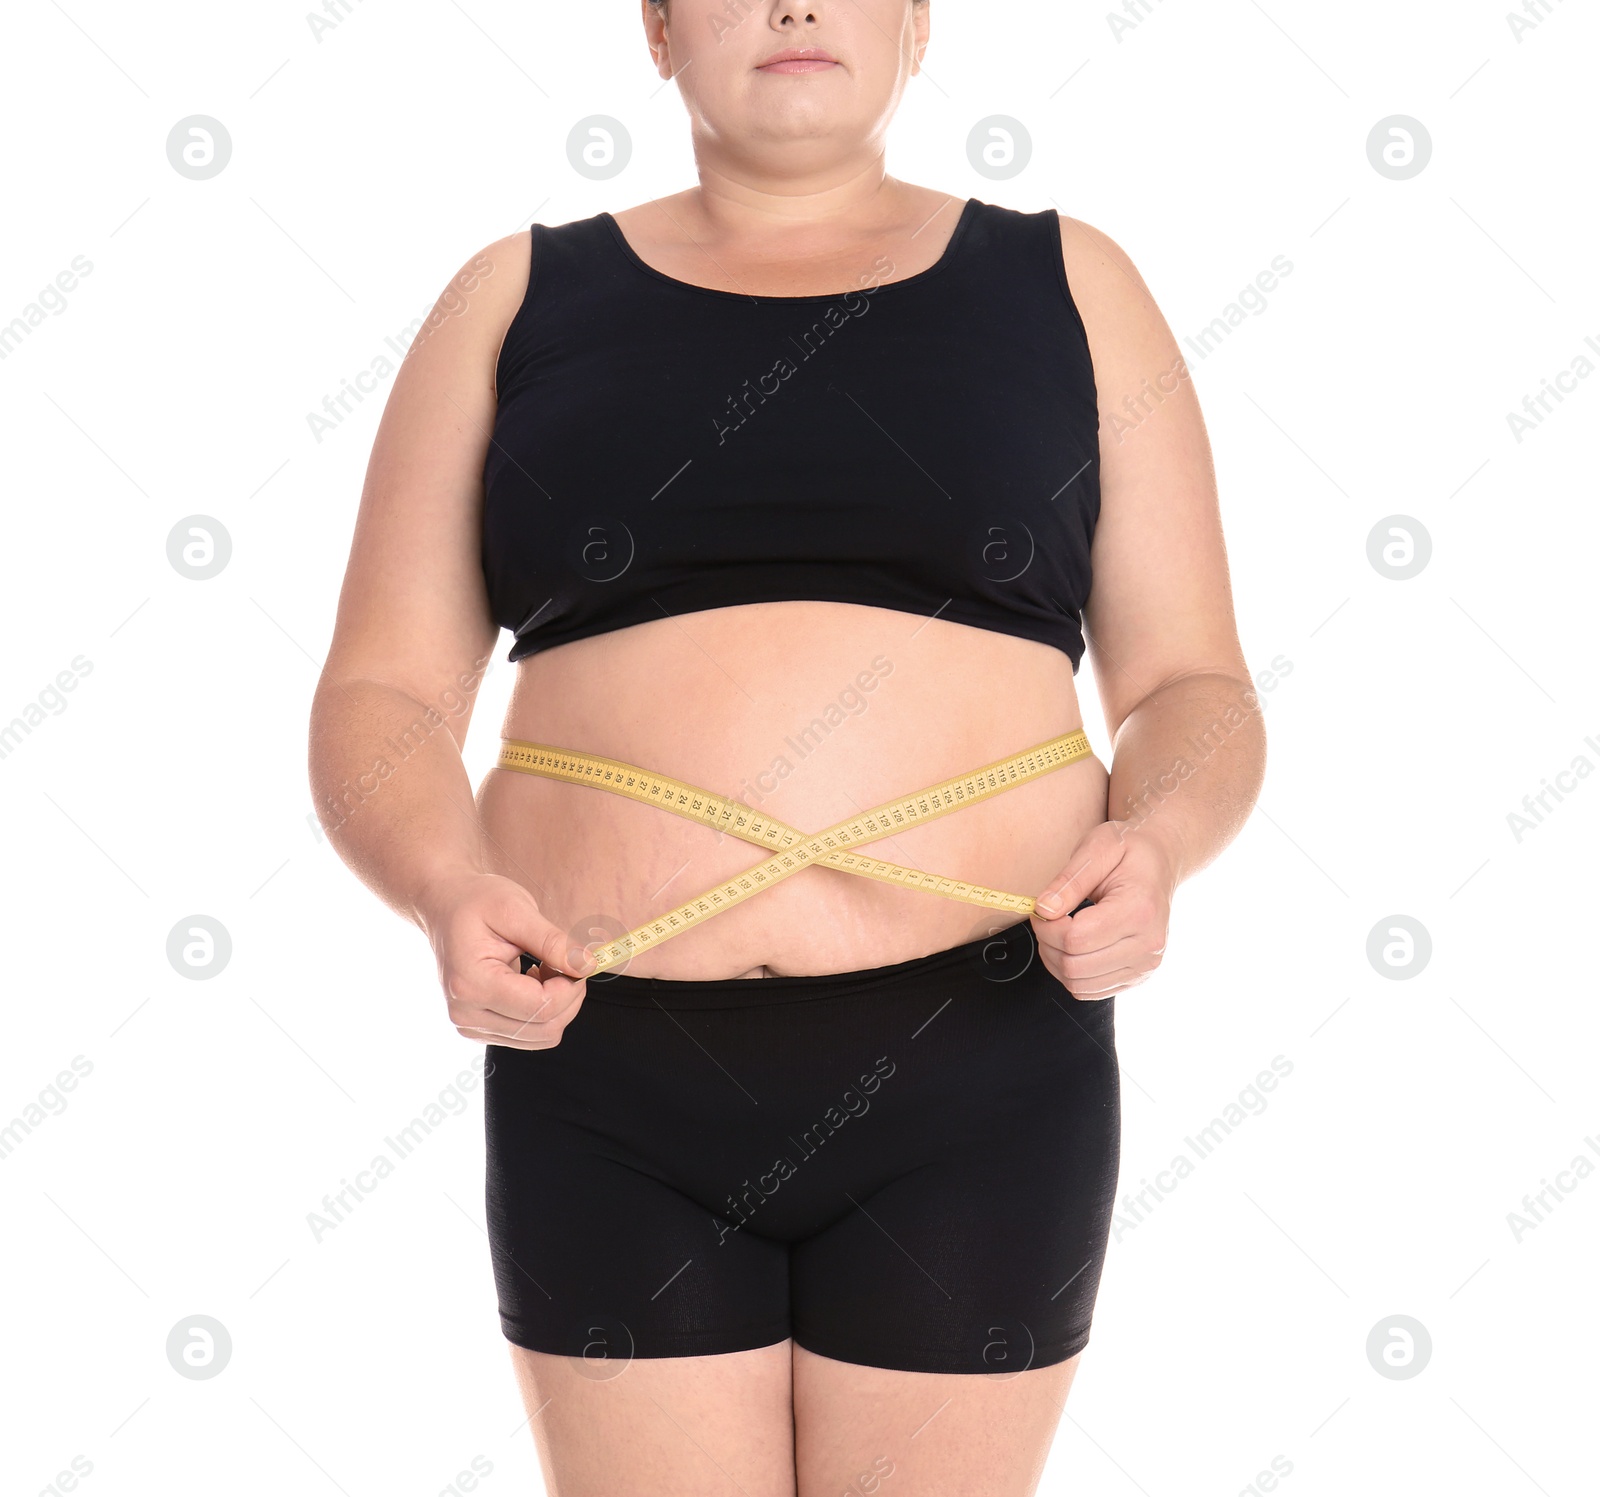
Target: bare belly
pixel 807 711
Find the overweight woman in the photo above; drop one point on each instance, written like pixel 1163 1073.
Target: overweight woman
pixel 794 912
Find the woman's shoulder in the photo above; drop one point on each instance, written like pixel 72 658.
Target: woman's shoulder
pixel 1095 260
pixel 1120 315
pixel 465 327
pixel 493 280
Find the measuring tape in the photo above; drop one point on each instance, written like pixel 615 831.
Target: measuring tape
pixel 794 850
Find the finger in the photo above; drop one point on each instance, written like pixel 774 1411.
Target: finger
pixel 483 1023
pixel 1122 907
pixel 1097 989
pixel 1095 927
pixel 1091 861
pixel 568 992
pixel 504 1030
pixel 493 994
pixel 1099 995
pixel 482 1038
pixel 519 1000
pixel 533 935
pixel 531 966
pixel 1127 955
pixel 1093 990
pixel 1099 983
pixel 1091 982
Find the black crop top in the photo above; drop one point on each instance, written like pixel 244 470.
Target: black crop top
pixel 929 444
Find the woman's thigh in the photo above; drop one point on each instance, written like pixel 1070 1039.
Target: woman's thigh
pixel 666 1426
pixel 872 1432
pixel 753 1421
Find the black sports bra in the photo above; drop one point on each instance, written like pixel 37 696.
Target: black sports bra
pixel 929 444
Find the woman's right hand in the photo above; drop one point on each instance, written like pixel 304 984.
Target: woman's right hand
pixel 479 925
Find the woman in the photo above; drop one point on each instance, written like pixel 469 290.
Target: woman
pixel 791 487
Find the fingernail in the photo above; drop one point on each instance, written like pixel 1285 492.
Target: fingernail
pixel 1049 904
pixel 576 958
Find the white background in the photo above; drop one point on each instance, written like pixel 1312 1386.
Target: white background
pixel 1234 1317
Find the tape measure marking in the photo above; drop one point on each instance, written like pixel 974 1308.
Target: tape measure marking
pixel 794 850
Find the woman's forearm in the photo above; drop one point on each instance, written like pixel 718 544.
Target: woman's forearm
pixel 391 790
pixel 1187 767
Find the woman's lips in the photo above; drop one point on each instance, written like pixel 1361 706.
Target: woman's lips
pixel 798 65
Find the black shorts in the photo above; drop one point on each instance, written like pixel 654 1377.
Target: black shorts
pixel 909 1166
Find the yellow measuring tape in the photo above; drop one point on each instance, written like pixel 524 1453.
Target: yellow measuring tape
pixel 794 849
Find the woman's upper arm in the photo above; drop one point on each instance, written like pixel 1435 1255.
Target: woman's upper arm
pixel 1160 605
pixel 414 613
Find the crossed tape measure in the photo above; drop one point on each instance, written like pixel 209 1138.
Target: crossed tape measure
pixel 792 849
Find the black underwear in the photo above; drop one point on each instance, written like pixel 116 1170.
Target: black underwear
pixel 910 1166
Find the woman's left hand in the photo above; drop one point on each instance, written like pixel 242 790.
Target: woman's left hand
pixel 1118 941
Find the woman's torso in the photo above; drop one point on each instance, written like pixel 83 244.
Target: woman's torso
pixel 808 551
